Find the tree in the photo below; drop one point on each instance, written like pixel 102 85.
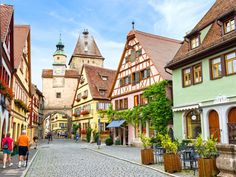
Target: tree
pixel 158 110
pixel 75 128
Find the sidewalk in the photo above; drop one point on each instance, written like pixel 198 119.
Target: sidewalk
pixel 133 155
pixel 14 171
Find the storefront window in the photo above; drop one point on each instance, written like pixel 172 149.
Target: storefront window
pixel 193 124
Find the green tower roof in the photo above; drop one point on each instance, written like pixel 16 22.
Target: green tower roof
pixel 60 48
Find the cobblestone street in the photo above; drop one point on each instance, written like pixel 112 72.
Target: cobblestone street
pixel 66 158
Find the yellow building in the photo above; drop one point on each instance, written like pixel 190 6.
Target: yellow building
pixel 59 124
pixel 92 97
pixel 21 80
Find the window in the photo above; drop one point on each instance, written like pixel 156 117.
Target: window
pixel 187 77
pixel 121 82
pixel 216 68
pixel 230 63
pixel 197 73
pixel 58 95
pixel 127 80
pixel 105 78
pixel 143 100
pixel 132 56
pixel 193 124
pixel 195 42
pixel 102 106
pixel 102 92
pixel 145 73
pixel 78 97
pixel 138 52
pixel 135 78
pixel 229 26
pixel 116 105
pixel 121 104
pixel 126 103
pixel 136 100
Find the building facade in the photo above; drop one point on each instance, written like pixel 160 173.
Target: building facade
pixel 21 80
pixel 91 99
pixel 204 75
pixel 59 125
pixel 141 65
pixel 6 66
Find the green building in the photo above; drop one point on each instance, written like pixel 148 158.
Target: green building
pixel 204 77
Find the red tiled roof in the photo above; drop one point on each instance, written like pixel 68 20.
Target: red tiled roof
pixel 6 13
pixel 21 33
pixel 70 73
pixel 213 37
pixel 160 49
pixel 95 82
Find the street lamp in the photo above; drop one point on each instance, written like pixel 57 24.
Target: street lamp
pixel 99 130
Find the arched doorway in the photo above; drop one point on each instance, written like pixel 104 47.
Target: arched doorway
pixel 232 126
pixel 193 124
pixel 214 125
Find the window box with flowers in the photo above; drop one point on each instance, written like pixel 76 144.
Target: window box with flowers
pixel 21 104
pixel 84 112
pixel 6 91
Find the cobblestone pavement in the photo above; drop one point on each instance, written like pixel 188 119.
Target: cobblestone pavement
pixel 14 171
pixel 64 158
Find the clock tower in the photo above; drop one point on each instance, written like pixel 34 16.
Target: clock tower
pixel 59 64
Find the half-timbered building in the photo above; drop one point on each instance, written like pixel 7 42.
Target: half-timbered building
pixel 141 65
pixel 6 66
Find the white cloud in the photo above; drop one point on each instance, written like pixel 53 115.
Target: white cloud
pixel 178 16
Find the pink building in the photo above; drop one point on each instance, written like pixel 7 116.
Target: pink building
pixel 141 65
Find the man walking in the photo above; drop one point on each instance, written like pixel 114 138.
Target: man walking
pixel 23 143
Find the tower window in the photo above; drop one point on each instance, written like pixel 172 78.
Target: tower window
pixel 58 95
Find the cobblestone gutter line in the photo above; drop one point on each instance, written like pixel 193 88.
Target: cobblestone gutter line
pixel 163 172
pixel 29 164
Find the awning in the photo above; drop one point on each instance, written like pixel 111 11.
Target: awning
pixel 184 108
pixel 115 123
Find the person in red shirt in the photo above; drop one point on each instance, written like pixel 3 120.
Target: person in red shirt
pixel 7 145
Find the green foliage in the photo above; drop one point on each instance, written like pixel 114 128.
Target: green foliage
pixel 117 142
pixel 109 141
pixel 206 149
pixel 88 134
pixel 145 140
pixel 96 136
pixel 75 127
pixel 184 144
pixel 170 147
pixel 158 110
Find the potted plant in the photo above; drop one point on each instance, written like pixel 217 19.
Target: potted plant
pixel 147 156
pixel 172 161
pixel 208 153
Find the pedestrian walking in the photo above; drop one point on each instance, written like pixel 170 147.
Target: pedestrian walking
pixel 35 139
pixel 7 146
pixel 23 143
pixel 77 137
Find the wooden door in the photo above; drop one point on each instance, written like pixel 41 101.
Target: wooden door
pixel 214 126
pixel 232 126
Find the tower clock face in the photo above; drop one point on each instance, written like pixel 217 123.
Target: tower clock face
pixel 59 71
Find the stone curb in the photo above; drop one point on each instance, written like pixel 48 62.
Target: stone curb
pixel 136 163
pixel 29 164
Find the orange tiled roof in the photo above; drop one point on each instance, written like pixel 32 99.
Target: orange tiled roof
pixel 93 74
pixel 160 49
pixel 213 38
pixel 6 13
pixel 21 33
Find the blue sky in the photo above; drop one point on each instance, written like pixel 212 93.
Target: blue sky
pixel 107 20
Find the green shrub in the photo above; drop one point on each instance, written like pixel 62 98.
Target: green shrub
pixel 168 145
pixel 145 140
pixel 96 136
pixel 108 142
pixel 88 134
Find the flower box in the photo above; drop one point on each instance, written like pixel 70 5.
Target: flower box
pixel 6 91
pixel 84 112
pixel 207 167
pixel 21 104
pixel 147 156
pixel 172 163
pixel 84 96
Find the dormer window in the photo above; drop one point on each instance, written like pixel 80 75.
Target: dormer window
pixel 195 42
pixel 229 25
pixel 105 78
pixel 102 92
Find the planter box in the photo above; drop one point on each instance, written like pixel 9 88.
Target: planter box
pixel 207 167
pixel 147 156
pixel 172 163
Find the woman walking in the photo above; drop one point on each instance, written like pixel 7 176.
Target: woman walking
pixel 7 145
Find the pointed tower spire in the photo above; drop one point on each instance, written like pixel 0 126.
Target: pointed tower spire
pixel 60 47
